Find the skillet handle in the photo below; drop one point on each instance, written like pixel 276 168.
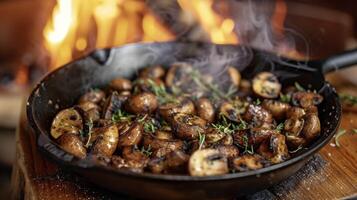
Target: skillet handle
pixel 339 61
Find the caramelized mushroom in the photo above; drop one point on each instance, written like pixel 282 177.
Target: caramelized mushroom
pixel 279 147
pixel 120 84
pixel 183 105
pixel 293 126
pixel 257 115
pixel 156 143
pixel 207 162
pixel 248 162
pixel 306 99
pixel 188 126
pixel 142 103
pixel 94 96
pixel 205 109
pixel 266 84
pixel 135 158
pixel 106 143
pixel 212 136
pixel 229 151
pixel 312 127
pixel 72 144
pixel 276 108
pixel 113 103
pixel 163 135
pixel 92 110
pixel 234 75
pixel 231 111
pixel 295 112
pixel 67 121
pixel 152 72
pixel 130 135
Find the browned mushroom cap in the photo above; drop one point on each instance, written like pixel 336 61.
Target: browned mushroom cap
pixel 306 99
pixel 205 109
pixel 245 86
pixel 257 115
pixel 67 121
pixel 132 165
pixel 279 147
pixel 227 140
pixel 142 103
pixel 92 110
pixel 106 142
pixel 207 162
pixel 163 135
pixel 213 135
pixel 147 84
pixel 293 126
pixel 230 151
pixel 72 144
pixel 176 161
pixel 157 165
pixel 312 110
pixel 266 84
pixel 176 73
pixel 184 105
pixel 248 162
pixel 258 135
pixel 156 144
pixel 94 96
pixel 120 84
pixel 264 150
pixel 312 127
pixel 187 126
pixel 133 154
pixel 295 142
pixel 295 112
pixel 113 103
pixel 232 111
pixel 130 135
pixel 276 108
pixel 152 72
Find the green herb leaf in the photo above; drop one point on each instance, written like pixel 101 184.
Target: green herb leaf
pixel 354 131
pixel 348 99
pixel 257 102
pixel 285 98
pixel 280 127
pixel 299 87
pixel 147 151
pixel 202 138
pixel 149 127
pixel 338 135
pixel 121 115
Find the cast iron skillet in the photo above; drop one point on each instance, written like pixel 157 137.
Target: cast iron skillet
pixel 61 89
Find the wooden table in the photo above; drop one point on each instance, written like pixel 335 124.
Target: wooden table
pixel 331 174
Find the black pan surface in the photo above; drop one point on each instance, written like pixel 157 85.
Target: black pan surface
pixel 61 89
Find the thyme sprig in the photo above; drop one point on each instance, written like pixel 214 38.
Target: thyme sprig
pixel 202 139
pixel 147 151
pixel 299 87
pixel 121 115
pixel 149 126
pixel 280 126
pixel 160 91
pixel 349 99
pixel 247 148
pixel 286 98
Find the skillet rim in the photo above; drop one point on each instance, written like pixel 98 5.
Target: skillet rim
pixel 165 177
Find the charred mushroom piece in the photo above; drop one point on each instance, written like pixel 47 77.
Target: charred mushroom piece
pixel 68 121
pixel 258 135
pixel 205 109
pixel 94 96
pixel 248 162
pixel 142 103
pixel 176 161
pixel 231 111
pixel 276 108
pixel 107 142
pixel 131 135
pixel 227 140
pixel 157 165
pixel 295 142
pixel 295 112
pixel 72 144
pixel 266 85
pixel 257 115
pixel 134 155
pixel 306 99
pixel 212 136
pixel 156 143
pixel 279 147
pixel 163 135
pixel 92 110
pixel 152 72
pixel 188 126
pixel 264 150
pixel 229 151
pixel 293 126
pixel 312 127
pixel 113 103
pixel 120 84
pixel 207 162
pixel 183 106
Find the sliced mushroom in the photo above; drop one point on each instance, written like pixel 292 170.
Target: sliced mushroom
pixel 152 72
pixel 68 121
pixel 157 165
pixel 92 110
pixel 188 126
pixel 212 136
pixel 257 116
pixel 72 144
pixel 229 151
pixel 258 135
pixel 156 143
pixel 264 150
pixel 266 84
pixel 135 157
pixel 295 112
pixel 232 110
pixel 293 126
pixel 163 135
pixel 184 105
pixel 295 142
pixel 131 135
pixel 279 148
pixel 205 109
pixel 207 162
pixel 94 96
pixel 142 103
pixel 107 142
pixel 306 99
pixel 113 103
pixel 312 127
pixel 120 84
pixel 248 162
pixel 276 108
pixel 176 161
